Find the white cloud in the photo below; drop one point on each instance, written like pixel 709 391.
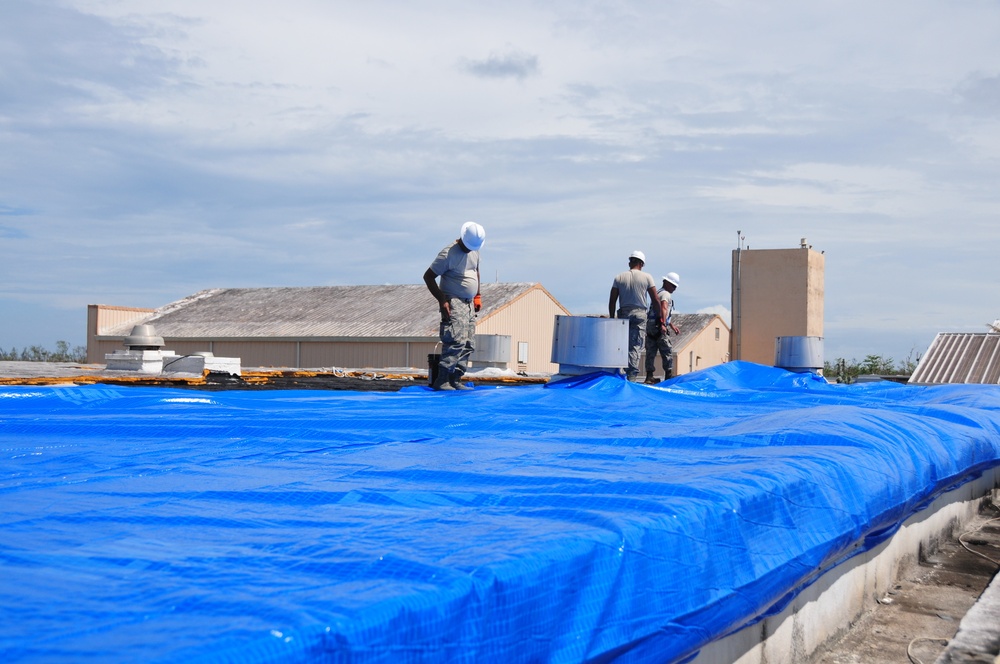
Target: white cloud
pixel 331 142
pixel 721 310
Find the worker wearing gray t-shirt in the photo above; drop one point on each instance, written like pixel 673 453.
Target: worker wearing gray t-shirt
pixel 630 289
pixel 458 299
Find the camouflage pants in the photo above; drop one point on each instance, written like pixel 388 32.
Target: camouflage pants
pixel 636 334
pixel 661 345
pixel 458 334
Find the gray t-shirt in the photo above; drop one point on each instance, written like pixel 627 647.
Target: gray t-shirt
pixel 633 287
pixel 459 271
pixel 654 307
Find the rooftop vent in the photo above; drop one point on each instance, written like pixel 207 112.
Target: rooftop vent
pixel 799 354
pixel 585 344
pixel 143 337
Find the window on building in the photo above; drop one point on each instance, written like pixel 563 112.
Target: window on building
pixel 717 334
pixel 522 352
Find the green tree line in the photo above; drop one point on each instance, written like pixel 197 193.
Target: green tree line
pixel 62 353
pixel 847 371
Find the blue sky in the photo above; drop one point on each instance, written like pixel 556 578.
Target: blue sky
pixel 150 150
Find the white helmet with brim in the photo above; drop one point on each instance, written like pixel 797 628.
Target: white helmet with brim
pixel 473 235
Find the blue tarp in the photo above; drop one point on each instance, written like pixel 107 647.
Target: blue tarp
pixel 587 520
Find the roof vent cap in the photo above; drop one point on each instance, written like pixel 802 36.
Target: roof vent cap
pixel 143 337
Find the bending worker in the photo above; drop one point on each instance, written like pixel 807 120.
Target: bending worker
pixel 631 287
pixel 459 300
pixel 658 336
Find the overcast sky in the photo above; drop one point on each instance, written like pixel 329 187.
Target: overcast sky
pixel 152 149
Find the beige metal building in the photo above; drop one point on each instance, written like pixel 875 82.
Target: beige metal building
pixel 776 293
pixel 702 343
pixel 392 326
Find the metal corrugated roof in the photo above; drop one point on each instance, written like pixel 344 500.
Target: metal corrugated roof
pixel 960 357
pixel 321 311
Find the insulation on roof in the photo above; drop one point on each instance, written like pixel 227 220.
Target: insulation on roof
pixel 587 519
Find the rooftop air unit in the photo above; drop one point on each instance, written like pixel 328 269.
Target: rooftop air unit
pixel 586 344
pixel 799 354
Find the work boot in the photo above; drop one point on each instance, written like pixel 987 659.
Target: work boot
pixel 649 378
pixel 456 382
pixel 441 382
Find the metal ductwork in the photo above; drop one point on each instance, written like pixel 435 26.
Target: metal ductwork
pixel 143 337
pixel 584 344
pixel 799 354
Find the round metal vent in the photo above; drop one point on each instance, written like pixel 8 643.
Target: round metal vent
pixel 143 337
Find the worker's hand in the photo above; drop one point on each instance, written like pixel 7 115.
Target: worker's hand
pixel 446 310
pixel 478 302
pixel 676 330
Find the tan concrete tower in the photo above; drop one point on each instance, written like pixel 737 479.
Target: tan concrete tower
pixel 776 293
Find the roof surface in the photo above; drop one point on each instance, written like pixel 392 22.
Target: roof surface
pixel 960 357
pixel 690 326
pixel 560 523
pixel 406 310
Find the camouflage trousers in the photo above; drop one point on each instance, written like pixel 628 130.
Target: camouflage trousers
pixel 458 335
pixel 661 345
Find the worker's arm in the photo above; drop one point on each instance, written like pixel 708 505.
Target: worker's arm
pixel 612 302
pixel 663 307
pixel 670 315
pixel 431 280
pixel 477 301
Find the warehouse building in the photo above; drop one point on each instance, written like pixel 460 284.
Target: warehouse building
pixel 365 327
pixel 324 326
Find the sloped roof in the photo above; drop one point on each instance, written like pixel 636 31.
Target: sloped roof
pixel 960 357
pixel 690 325
pixel 322 311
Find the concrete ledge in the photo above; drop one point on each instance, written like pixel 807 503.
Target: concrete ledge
pixel 978 637
pixel 827 609
pixel 198 364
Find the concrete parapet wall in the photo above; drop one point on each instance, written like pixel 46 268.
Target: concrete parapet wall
pixel 827 609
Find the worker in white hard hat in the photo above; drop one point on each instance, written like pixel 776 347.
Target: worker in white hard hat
pixel 629 293
pixel 459 300
pixel 658 335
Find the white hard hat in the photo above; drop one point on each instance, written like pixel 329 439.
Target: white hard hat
pixel 638 254
pixel 473 235
pixel 673 278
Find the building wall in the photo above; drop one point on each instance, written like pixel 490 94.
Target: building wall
pixel 776 293
pixel 101 317
pixel 367 354
pixel 530 323
pixel 528 320
pixel 305 354
pixel 710 348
